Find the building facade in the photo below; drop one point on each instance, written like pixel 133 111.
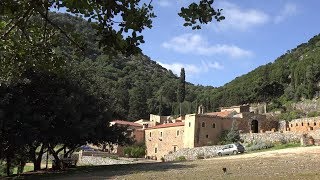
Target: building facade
pixel 197 130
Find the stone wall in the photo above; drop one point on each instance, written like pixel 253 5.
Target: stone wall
pixel 91 160
pixel 304 124
pixel 194 153
pixel 161 141
pixel 272 137
pixel 211 151
pixel 315 134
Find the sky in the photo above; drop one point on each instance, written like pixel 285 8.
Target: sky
pixel 254 33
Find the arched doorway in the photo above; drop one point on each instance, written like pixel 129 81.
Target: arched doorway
pixel 254 126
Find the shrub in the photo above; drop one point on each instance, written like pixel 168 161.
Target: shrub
pixel 136 151
pixel 200 156
pixel 181 158
pixel 230 136
pixel 313 114
pixel 259 145
pixel 114 157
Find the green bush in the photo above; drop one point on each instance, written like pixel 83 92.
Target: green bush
pixel 313 114
pixel 136 151
pixel 259 145
pixel 114 157
pixel 181 158
pixel 2 169
pixel 200 156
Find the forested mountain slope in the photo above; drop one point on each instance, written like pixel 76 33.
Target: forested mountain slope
pixel 292 76
pixel 137 86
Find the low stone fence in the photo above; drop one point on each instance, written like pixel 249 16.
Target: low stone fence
pixel 95 161
pixel 194 153
pixel 314 134
pixel 272 137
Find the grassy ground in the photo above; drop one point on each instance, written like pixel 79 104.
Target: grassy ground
pixel 290 163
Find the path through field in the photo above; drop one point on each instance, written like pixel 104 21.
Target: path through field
pixel 292 163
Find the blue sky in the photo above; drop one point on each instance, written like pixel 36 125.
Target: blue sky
pixel 254 33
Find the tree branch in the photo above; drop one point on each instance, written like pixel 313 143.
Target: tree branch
pixel 16 23
pixel 61 30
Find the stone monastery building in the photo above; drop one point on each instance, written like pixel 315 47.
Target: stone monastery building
pixel 164 135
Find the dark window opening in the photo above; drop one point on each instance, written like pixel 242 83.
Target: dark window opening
pixel 254 126
pixel 207 136
pixel 155 150
pixel 213 125
pixel 189 124
pixel 203 124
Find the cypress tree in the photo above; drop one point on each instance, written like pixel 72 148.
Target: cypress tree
pixel 182 88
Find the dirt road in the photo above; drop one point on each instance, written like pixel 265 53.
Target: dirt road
pixel 281 152
pixel 292 163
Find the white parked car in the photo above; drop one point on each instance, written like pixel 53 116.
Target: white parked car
pixel 231 149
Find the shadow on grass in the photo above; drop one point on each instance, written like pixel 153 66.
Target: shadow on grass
pixel 107 171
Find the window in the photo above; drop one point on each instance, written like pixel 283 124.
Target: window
pixel 207 136
pixel 189 124
pixel 203 124
pixel 315 123
pixel 150 134
pixel 178 133
pixel 213 125
pixel 160 134
pixel 155 150
pixel 291 125
pixel 296 124
pixel 174 149
pixel 308 124
pixel 301 124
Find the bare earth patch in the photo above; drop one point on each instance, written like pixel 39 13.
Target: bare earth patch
pixel 292 163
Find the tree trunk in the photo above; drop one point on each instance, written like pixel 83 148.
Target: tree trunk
pixel 21 167
pixel 58 164
pixel 37 165
pixel 37 160
pixel 8 166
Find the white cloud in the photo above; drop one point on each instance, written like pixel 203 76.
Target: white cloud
pixel 196 44
pixel 239 18
pixel 192 69
pixel 288 10
pixel 164 3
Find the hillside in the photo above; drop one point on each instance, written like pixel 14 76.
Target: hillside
pixel 139 82
pixel 135 86
pixel 292 76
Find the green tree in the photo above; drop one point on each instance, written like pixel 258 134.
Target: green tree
pixel 181 88
pixel 138 103
pixel 44 111
pixel 310 80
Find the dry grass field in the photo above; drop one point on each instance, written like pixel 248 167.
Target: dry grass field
pixel 291 163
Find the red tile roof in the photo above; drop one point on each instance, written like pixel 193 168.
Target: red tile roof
pixel 167 125
pixel 220 114
pixel 126 123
